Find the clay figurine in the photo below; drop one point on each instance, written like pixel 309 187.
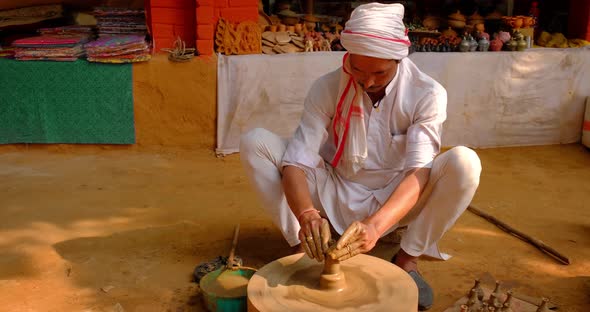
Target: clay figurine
pixel 507 306
pixel 478 289
pixel 473 302
pixel 308 46
pixel 543 307
pixel 494 300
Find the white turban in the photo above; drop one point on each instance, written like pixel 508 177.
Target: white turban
pixel 377 30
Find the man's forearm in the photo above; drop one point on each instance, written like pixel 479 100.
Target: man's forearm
pixel 401 201
pixel 296 190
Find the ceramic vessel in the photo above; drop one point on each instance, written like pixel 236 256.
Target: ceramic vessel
pixel 431 22
pixel 457 16
pixel 528 21
pixel 483 44
pixel 504 36
pixel 496 44
pixel 472 44
pixel 521 44
pixel 449 33
pixel 465 45
pixel 480 27
pixel 515 22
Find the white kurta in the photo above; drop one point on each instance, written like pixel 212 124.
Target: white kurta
pixel 403 132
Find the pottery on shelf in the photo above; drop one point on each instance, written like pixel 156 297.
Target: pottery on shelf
pixel 496 44
pixel 431 22
pixel 528 21
pixel 483 44
pixel 465 45
pixel 504 36
pixel 457 16
pixel 472 44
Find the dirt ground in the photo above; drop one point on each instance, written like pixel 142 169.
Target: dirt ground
pixel 121 230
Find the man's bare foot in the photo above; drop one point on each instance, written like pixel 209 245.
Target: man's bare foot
pixel 406 262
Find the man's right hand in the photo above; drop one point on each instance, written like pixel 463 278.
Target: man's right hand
pixel 314 235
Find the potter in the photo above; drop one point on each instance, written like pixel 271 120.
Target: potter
pixel 362 160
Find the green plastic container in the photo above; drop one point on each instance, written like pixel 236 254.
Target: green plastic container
pixel 220 303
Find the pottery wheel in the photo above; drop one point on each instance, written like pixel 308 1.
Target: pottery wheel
pixel 293 284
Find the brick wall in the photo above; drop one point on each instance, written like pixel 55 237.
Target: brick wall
pixel 209 11
pixel 170 19
pixel 194 20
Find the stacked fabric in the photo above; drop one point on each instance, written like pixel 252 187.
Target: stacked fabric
pixel 118 49
pixel 48 47
pixel 117 21
pixel 68 31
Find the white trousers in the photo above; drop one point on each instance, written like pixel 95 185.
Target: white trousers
pixel 454 178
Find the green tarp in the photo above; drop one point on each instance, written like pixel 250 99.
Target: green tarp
pixel 66 102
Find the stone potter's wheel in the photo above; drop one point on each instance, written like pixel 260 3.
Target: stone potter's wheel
pixel 369 284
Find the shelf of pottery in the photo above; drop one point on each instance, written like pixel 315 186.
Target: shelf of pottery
pixel 286 32
pixel 462 33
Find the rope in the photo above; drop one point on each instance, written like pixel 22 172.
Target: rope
pixel 180 53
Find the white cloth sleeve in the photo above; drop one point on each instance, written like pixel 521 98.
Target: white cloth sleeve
pixel 304 147
pixel 424 135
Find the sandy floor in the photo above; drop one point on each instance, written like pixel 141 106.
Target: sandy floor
pixel 135 223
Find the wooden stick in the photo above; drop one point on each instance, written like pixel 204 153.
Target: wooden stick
pixel 232 252
pixel 527 238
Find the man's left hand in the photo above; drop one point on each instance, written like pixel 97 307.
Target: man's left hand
pixel 358 238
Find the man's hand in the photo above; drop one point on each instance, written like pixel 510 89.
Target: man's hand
pixel 358 238
pixel 314 235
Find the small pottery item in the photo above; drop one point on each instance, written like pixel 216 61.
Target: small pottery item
pixel 515 22
pixel 521 45
pixel 504 36
pixel 282 28
pixel 431 22
pixel 288 17
pixel 465 45
pixel 456 24
pixel 464 308
pixel 543 307
pixel 298 27
pixel 496 44
pixel 484 44
pixel 507 306
pixel 472 44
pixel 274 28
pixel 457 16
pixel 484 35
pixel 528 21
pixel 449 33
pixel 511 45
pixel 473 302
pixel 480 27
pixel 493 301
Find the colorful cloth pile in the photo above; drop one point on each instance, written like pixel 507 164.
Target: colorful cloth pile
pixel 118 49
pixel 47 47
pixel 68 31
pixel 118 21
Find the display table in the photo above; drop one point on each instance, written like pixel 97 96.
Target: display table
pixel 495 99
pixel 66 102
